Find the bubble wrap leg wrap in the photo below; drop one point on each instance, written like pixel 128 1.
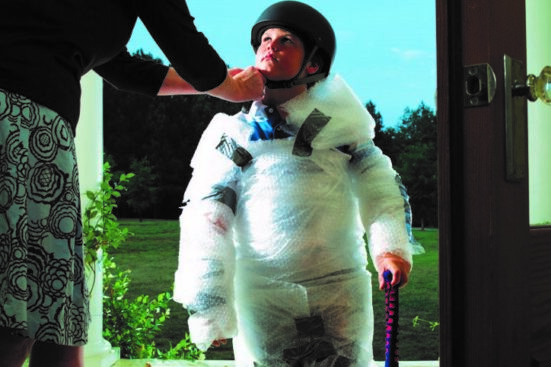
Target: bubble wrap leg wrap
pixel 204 279
pixel 324 322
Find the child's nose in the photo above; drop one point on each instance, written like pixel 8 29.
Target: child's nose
pixel 273 45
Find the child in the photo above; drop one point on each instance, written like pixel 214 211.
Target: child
pixel 271 247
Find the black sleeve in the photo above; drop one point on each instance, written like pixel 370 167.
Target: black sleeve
pixel 132 74
pixel 188 50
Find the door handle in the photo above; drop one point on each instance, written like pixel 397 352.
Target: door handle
pixel 519 89
pixel 536 87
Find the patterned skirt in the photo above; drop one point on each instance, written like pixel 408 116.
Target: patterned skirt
pixel 43 293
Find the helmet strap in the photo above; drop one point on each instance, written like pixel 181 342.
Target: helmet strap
pixel 283 84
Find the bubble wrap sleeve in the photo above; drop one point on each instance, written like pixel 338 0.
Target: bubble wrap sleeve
pixel 205 274
pixel 204 279
pixel 383 204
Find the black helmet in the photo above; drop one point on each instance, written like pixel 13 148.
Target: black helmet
pixel 309 24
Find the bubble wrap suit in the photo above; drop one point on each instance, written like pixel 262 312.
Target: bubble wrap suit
pixel 271 247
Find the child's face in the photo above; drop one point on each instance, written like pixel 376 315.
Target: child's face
pixel 280 54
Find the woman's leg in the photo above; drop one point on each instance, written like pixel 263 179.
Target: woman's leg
pixel 50 354
pixel 13 349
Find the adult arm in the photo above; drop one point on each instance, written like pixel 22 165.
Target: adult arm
pixel 191 55
pixel 133 74
pixel 240 85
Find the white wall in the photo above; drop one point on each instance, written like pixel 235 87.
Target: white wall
pixel 89 146
pixel 89 135
pixel 538 34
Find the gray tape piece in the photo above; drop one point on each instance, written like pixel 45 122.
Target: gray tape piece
pixel 229 147
pixel 225 195
pixel 311 127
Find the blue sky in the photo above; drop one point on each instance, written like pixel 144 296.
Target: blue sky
pixel 386 50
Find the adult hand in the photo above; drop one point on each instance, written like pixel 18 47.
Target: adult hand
pixel 399 267
pixel 234 71
pixel 241 85
pixel 251 82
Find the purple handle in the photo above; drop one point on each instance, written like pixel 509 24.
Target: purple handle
pixel 391 320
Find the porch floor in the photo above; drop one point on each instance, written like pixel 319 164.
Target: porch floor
pixel 159 363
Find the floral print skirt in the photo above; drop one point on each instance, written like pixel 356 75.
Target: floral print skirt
pixel 43 293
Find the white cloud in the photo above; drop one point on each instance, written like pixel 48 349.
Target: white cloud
pixel 409 54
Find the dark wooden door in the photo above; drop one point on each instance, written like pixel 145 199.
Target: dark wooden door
pixel 493 266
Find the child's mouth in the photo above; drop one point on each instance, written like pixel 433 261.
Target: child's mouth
pixel 269 57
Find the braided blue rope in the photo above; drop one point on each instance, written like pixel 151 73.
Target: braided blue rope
pixel 391 320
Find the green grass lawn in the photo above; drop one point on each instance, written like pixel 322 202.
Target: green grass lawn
pixel 152 256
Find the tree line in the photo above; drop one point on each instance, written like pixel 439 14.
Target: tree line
pixel 155 138
pixel 411 146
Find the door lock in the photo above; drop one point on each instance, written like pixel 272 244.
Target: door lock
pixel 479 85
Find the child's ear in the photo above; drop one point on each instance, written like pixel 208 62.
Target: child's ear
pixel 312 67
